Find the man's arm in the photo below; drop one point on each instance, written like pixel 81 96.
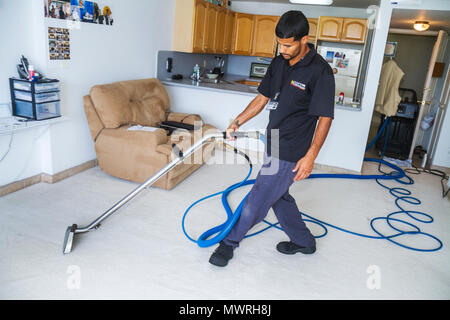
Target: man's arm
pixel 305 165
pixel 254 108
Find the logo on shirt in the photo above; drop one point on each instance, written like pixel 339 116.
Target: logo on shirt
pixel 298 85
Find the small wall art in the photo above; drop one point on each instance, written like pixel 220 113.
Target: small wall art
pixel 58 43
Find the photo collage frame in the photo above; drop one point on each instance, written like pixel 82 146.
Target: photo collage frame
pixel 59 43
pixel 79 10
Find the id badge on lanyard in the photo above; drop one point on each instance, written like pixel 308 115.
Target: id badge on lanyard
pixel 273 103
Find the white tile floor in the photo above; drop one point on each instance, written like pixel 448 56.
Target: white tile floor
pixel 142 253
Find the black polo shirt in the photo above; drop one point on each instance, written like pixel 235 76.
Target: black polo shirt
pixel 304 93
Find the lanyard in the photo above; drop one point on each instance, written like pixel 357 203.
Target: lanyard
pixel 284 76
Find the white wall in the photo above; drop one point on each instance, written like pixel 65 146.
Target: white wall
pixel 17 37
pixel 99 54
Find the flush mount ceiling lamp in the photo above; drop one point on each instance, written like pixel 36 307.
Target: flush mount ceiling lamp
pixel 317 2
pixel 421 25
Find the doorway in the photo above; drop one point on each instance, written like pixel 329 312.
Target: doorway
pixel 423 58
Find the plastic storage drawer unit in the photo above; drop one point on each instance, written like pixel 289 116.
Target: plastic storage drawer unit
pixel 38 87
pixel 39 97
pixel 40 111
pixel 38 100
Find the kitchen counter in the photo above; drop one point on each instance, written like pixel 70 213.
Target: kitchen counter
pixel 229 84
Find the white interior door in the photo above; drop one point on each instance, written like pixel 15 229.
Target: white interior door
pixel 440 116
pixel 428 91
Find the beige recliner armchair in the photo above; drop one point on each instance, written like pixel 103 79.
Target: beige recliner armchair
pixel 112 109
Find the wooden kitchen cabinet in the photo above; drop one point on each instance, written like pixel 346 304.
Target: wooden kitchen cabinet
pixel 201 8
pixel 312 29
pixel 189 29
pixel 219 32
pixel 195 26
pixel 330 28
pixel 202 27
pixel 210 27
pixel 264 43
pixel 243 34
pixel 229 28
pixel 342 29
pixel 354 30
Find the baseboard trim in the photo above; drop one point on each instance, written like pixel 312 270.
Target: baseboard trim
pixel 47 178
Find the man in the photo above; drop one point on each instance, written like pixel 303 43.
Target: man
pixel 298 89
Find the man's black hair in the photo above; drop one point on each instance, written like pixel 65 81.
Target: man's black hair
pixel 292 24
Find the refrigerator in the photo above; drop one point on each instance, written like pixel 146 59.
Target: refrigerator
pixel 345 64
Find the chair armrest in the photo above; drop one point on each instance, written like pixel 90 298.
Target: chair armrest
pixel 183 140
pixel 95 124
pixel 184 118
pixel 164 149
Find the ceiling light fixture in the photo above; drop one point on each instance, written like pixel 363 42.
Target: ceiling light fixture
pixel 317 2
pixel 421 25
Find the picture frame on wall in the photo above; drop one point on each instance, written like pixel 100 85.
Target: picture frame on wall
pixel 391 49
pixel 258 70
pixel 79 11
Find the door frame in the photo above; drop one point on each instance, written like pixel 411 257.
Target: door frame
pixel 428 88
pixel 440 116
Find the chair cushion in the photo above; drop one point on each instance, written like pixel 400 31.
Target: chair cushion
pixel 144 102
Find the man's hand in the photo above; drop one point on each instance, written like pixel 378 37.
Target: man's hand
pixel 232 128
pixel 254 108
pixel 304 168
pixel 305 165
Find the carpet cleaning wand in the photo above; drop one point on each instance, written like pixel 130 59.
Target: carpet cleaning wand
pixel 180 156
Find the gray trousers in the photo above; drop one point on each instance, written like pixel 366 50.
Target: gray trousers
pixel 271 190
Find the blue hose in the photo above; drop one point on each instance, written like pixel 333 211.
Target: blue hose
pixel 401 195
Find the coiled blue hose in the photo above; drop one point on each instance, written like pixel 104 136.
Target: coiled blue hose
pixel 402 195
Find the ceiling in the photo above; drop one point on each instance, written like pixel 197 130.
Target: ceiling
pixel 336 3
pixel 404 19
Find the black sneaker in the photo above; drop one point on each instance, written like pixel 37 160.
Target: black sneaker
pixel 221 255
pixel 291 248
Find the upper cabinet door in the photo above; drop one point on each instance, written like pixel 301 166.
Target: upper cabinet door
pixel 199 25
pixel 210 27
pixel 219 33
pixel 312 29
pixel 243 34
pixel 229 27
pixel 264 41
pixel 330 28
pixel 354 30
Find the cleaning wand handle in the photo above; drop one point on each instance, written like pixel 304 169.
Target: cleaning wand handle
pixel 242 134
